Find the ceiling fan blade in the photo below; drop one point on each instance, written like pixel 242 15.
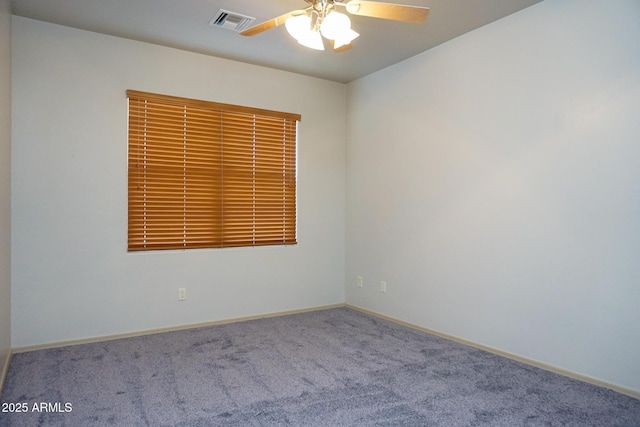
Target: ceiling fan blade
pixel 272 23
pixel 397 12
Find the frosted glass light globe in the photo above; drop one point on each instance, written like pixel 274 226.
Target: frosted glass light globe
pixel 334 25
pixel 298 26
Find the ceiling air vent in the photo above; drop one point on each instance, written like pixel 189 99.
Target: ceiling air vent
pixel 231 20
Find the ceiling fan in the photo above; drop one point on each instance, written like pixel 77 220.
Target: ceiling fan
pixel 322 19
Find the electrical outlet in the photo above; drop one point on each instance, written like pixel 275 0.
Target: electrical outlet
pixel 182 294
pixel 359 281
pixel 383 287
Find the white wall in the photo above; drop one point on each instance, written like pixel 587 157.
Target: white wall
pixel 494 183
pixel 5 185
pixel 72 275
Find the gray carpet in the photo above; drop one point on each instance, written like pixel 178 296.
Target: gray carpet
pixel 334 367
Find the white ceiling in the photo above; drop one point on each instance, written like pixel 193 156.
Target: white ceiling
pixel 183 24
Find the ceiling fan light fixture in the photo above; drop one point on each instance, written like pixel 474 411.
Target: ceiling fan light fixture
pixel 334 25
pixel 298 26
pixel 312 39
pixel 345 38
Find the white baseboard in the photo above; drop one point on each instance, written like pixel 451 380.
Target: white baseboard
pixel 170 329
pixel 556 370
pixel 5 369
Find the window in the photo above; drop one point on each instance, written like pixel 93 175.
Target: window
pixel 209 175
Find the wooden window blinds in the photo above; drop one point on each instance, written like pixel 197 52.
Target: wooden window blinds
pixel 209 175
